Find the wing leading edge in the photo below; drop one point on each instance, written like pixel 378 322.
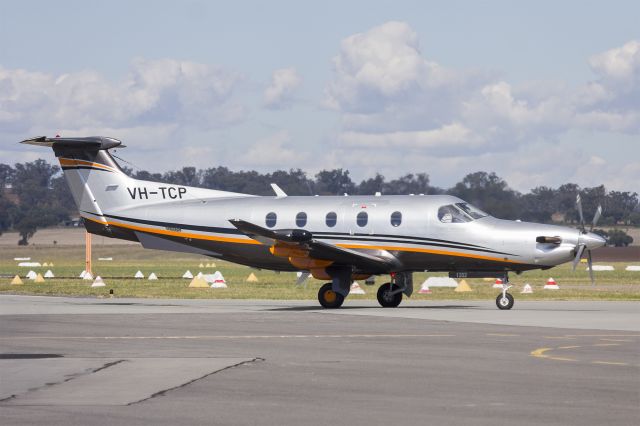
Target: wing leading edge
pixel 301 243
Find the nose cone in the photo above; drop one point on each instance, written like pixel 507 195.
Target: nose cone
pixel 592 240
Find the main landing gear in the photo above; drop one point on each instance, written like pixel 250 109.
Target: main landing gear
pixel 331 295
pixel 505 301
pixel 328 298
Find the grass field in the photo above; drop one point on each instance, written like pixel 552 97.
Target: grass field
pixel 118 275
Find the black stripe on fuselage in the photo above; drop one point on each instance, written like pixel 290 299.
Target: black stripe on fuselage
pixel 321 235
pixel 85 167
pixel 334 234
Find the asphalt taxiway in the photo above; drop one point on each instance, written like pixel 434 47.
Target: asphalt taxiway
pixel 138 361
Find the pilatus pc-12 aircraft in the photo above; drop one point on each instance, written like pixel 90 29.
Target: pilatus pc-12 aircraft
pixel 334 238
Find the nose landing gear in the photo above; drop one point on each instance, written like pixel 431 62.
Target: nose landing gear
pixel 505 301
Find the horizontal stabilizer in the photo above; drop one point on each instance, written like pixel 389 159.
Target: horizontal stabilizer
pixel 91 142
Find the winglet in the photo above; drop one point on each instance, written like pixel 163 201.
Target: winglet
pixel 279 192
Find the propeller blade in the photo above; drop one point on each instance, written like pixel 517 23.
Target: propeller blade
pixel 579 252
pixel 596 217
pixel 590 263
pixel 579 207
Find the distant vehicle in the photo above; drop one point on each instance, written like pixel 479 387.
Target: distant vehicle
pixel 333 238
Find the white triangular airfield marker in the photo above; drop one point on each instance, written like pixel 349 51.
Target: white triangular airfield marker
pixel 527 289
pixel 49 274
pixel 551 285
pixel 441 282
pixel 31 275
pixel 356 289
pixel 45 264
pixel 82 274
pixel 139 274
pixel 424 288
pixel 252 278
pixel 207 265
pixel 201 265
pixel 497 283
pixel 632 268
pixel 187 274
pixel 98 282
pixel 218 281
pixel 153 276
pixel 87 276
pixel 199 274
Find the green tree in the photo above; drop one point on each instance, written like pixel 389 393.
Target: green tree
pixel 372 185
pixel 410 184
pixel 619 238
pixel 334 182
pixel 38 206
pixel 489 192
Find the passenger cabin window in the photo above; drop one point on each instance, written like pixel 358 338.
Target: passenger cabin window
pixel 460 213
pixel 331 219
pixel 301 219
pixel 396 219
pixel 271 219
pixel 362 219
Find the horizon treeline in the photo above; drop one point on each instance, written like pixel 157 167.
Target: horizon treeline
pixel 35 194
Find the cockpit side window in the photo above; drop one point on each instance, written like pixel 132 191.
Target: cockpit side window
pixel 452 214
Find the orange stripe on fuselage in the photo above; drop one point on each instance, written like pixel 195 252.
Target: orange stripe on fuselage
pixel 430 251
pixel 71 162
pixel 179 234
pixel 351 246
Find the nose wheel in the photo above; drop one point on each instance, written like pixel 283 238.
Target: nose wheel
pixel 388 297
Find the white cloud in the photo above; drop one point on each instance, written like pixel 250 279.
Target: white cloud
pixel 154 92
pixel 284 83
pixel 274 151
pixel 619 64
pixel 414 111
pixel 449 138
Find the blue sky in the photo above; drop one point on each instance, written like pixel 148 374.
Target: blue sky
pixel 542 93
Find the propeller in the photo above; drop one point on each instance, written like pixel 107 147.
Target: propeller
pixel 581 247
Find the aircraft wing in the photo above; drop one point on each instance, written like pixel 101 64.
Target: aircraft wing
pixel 304 241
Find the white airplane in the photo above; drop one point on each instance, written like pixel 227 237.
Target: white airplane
pixel 333 238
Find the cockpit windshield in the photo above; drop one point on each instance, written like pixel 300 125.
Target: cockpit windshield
pixel 472 211
pixel 459 213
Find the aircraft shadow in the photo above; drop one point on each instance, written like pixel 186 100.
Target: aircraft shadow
pixel 318 308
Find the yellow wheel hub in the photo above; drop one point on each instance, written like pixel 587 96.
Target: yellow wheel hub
pixel 330 296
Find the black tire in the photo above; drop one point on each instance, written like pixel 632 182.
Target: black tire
pixel 328 298
pixel 387 300
pixel 506 303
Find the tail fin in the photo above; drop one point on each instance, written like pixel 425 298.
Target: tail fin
pixel 101 189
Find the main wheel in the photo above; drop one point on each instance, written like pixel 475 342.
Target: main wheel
pixel 505 302
pixel 386 298
pixel 328 298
